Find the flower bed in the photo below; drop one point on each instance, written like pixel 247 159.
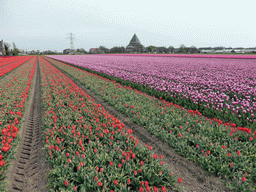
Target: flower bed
pixel 218 147
pixel 88 148
pixel 13 96
pixel 12 63
pixel 8 60
pixel 218 88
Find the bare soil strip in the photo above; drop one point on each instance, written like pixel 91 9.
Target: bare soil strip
pixel 194 178
pixel 29 171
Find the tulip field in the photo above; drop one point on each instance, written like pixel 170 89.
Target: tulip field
pixel 217 87
pixel 203 108
pixel 218 146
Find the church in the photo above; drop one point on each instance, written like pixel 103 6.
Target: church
pixel 134 45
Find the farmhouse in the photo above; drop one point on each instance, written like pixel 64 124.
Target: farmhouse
pixel 66 51
pixel 2 49
pixel 206 50
pixel 134 45
pixel 95 51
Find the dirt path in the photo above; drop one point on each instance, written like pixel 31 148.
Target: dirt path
pixel 194 178
pixel 29 171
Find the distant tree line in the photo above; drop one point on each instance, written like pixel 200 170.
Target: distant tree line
pixel 152 49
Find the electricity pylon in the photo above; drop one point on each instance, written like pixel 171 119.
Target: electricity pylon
pixel 71 37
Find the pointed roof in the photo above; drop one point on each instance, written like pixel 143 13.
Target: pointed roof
pixel 135 40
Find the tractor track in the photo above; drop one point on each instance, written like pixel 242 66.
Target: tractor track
pixel 29 170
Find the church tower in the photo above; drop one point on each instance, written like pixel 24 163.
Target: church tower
pixel 134 45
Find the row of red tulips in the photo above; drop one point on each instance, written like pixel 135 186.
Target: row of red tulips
pixel 9 60
pixel 6 67
pixel 13 96
pixel 88 148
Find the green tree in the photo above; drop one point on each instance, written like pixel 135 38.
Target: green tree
pixel 183 48
pixel 171 49
pixel 150 48
pixel 193 49
pixel 7 47
pixel 117 50
pixel 103 48
pixel 16 51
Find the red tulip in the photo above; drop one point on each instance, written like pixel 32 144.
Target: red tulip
pixel 2 163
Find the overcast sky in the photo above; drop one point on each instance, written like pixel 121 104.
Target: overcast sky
pixel 45 24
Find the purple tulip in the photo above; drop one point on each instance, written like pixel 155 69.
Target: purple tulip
pixel 193 77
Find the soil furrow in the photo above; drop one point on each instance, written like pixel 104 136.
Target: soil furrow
pixel 29 170
pixel 194 178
